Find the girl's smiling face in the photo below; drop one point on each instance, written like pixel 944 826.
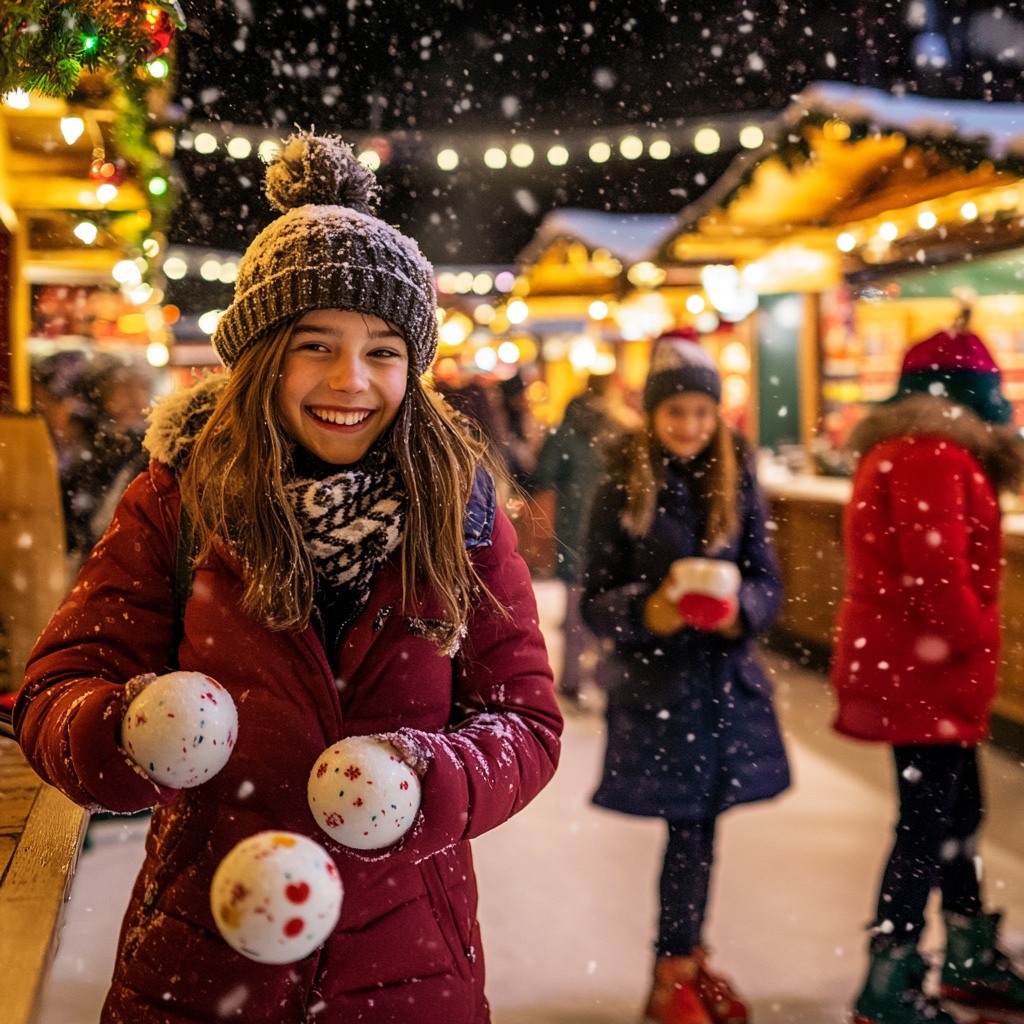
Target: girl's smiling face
pixel 684 423
pixel 342 381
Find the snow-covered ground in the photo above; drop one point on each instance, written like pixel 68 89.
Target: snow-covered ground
pixel 568 891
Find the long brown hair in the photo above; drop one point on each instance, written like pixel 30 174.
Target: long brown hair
pixel 234 489
pixel 643 469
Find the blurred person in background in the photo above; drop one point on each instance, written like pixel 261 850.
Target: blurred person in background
pixel 571 464
pixel 520 436
pixel 57 394
pixel 916 657
pixel 120 393
pixel 468 396
pixel 691 726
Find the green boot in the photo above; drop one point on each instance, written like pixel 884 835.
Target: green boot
pixel 974 972
pixel 893 992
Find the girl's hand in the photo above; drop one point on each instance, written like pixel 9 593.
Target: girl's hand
pixel 661 613
pixel 136 685
pixel 405 746
pixel 733 628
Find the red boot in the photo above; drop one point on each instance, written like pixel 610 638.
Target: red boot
pixel 723 1004
pixel 675 997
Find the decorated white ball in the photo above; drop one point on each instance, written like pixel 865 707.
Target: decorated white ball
pixel 181 729
pixel 362 794
pixel 276 897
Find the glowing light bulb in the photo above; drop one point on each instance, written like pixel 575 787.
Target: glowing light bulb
pixel 631 147
pixel 521 154
pixel 370 159
pixel 846 241
pixel 751 137
pixel 707 141
pixel 204 142
pixel 239 148
pixel 447 159
pixel 157 354
pixel 495 158
pixel 71 128
pixel 86 231
pixel 517 311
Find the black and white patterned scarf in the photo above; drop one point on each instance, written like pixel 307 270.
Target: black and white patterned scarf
pixel 351 520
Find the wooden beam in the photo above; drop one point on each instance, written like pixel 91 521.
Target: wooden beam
pixel 41 836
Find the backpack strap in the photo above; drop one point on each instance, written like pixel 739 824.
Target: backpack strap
pixel 182 581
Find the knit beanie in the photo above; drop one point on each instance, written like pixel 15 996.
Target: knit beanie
pixel 679 364
pixel 328 251
pixel 957 366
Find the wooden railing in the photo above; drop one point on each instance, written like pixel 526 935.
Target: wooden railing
pixel 41 834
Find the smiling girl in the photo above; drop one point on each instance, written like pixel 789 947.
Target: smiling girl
pixel 691 728
pixel 350 575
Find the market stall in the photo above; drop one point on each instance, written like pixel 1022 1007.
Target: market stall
pixel 84 197
pixel 865 222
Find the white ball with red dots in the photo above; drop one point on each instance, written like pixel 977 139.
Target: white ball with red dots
pixel 362 794
pixel 180 730
pixel 276 897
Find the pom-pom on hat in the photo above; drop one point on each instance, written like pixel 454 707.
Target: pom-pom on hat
pixel 679 364
pixel 956 365
pixel 328 251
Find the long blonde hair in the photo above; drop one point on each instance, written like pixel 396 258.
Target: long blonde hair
pixel 234 490
pixel 643 469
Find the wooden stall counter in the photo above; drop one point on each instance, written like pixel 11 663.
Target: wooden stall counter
pixel 807 517
pixel 41 834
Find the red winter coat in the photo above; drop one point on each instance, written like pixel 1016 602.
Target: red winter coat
pixel 407 948
pixel 917 637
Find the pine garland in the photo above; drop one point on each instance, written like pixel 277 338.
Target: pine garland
pixel 45 45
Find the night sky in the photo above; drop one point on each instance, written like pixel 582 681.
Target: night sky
pixel 369 66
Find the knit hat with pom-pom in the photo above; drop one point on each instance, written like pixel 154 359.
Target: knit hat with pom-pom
pixel 328 251
pixel 679 364
pixel 954 364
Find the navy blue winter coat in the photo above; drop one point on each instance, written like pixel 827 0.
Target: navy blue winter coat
pixel 691 726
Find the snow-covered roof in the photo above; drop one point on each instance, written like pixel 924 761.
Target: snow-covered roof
pixel 999 125
pixel 629 237
pixel 997 129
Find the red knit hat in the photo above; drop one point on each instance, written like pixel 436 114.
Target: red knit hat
pixel 949 350
pixel 955 365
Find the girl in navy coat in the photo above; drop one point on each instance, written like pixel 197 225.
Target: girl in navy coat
pixel 691 727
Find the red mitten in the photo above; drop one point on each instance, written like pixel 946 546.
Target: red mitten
pixel 705 612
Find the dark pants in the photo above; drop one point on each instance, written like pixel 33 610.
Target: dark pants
pixel 685 876
pixel 936 840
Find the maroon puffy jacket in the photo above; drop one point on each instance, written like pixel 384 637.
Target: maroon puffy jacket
pixel 407 948
pixel 917 637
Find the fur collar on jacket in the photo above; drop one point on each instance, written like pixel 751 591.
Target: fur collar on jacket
pixel 1000 450
pixel 177 420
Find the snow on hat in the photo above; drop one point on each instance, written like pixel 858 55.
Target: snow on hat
pixel 328 251
pixel 679 364
pixel 956 365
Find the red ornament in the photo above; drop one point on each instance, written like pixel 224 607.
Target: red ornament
pixel 108 172
pixel 160 29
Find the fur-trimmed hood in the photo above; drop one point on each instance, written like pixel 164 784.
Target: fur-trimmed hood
pixel 177 420
pixel 1000 450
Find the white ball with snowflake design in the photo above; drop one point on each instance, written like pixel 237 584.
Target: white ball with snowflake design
pixel 362 794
